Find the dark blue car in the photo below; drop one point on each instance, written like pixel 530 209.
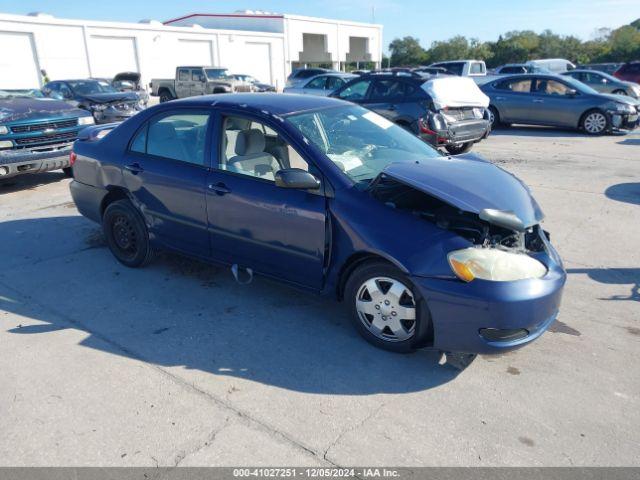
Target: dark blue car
pixel 426 250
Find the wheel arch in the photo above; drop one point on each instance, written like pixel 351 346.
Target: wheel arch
pixel 114 194
pixel 588 111
pixel 357 259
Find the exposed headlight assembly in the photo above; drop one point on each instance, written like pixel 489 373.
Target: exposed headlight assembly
pixel 99 107
pixel 3 130
pixel 88 120
pixel 623 108
pixel 494 265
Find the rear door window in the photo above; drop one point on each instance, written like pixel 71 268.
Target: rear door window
pixel 387 90
pixel 183 75
pixel 317 83
pixel 177 136
pixel 476 68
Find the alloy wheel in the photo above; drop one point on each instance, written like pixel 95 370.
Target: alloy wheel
pixel 595 122
pixel 387 308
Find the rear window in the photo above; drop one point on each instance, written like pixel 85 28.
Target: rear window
pixel 454 68
pixel 476 68
pixel 513 70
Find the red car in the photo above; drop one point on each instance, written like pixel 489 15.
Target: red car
pixel 629 71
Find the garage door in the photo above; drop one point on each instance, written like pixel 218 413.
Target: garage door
pixel 256 61
pixel 196 52
pixel 18 65
pixel 111 55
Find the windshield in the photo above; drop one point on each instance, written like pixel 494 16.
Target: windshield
pixel 579 86
pixel 26 93
pixel 213 73
pixel 360 142
pixel 88 87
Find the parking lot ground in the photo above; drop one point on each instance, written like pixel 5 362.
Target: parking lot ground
pixel 176 364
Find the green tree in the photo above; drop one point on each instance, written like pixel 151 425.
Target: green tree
pixel 407 51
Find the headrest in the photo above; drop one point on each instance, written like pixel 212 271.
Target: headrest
pixel 237 123
pixel 250 142
pixel 164 130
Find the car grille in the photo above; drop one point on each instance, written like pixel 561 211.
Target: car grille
pixel 243 88
pixel 41 127
pixel 28 142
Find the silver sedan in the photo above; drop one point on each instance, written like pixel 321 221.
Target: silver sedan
pixel 321 85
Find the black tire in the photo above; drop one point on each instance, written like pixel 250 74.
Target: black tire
pixel 68 172
pixel 620 92
pixel 587 121
pixel 165 96
pixel 495 119
pixel 459 149
pixel 126 234
pixel 353 288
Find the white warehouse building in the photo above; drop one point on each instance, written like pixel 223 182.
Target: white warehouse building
pixel 265 45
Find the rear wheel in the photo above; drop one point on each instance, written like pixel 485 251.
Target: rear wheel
pixel 458 149
pixel 385 307
pixel 68 172
pixel 126 234
pixel 165 96
pixel 595 122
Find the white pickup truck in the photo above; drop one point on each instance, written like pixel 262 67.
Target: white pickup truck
pixel 463 68
pixel 191 81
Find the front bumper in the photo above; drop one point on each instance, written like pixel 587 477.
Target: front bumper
pixel 460 311
pixel 18 162
pixel 623 122
pixel 457 133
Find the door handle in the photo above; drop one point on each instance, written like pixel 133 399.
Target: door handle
pixel 219 188
pixel 499 98
pixel 134 168
pixel 538 100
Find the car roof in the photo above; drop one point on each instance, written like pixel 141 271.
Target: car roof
pixel 274 103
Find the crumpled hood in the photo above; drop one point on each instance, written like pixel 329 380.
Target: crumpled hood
pixel 471 184
pixel 111 97
pixel 22 108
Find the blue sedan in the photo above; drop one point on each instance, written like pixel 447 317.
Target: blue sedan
pixel 425 250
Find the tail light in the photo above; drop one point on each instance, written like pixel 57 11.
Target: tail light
pixel 425 127
pixel 72 158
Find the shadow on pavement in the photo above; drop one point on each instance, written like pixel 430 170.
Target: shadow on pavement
pixel 624 192
pixel 533 131
pixel 614 276
pixel 29 181
pixel 182 313
pixel 630 141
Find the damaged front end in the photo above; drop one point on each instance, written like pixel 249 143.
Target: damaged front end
pixel 489 228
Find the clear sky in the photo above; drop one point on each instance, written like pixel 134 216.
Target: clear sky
pixel 428 20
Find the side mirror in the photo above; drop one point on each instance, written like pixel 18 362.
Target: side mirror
pixel 296 178
pixel 56 96
pixel 572 92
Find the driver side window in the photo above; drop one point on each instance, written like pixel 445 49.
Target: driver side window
pixel 254 149
pixel 356 91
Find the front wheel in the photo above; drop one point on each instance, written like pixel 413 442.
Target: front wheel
pixel 126 234
pixel 385 307
pixel 459 149
pixel 595 122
